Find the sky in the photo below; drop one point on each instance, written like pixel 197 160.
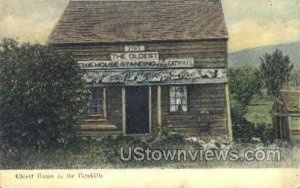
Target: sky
pixel 251 23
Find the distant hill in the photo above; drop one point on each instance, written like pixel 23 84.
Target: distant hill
pixel 251 56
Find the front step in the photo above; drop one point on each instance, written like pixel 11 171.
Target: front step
pixel 96 121
pixel 97 133
pixel 96 124
pixel 98 127
pixel 96 116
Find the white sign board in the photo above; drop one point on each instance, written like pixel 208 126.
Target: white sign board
pixel 179 63
pixel 135 56
pixel 117 64
pixel 168 63
pixel 134 48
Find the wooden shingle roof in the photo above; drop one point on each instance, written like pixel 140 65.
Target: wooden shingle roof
pixel 291 100
pixel 91 21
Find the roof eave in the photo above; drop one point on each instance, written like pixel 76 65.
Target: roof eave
pixel 225 38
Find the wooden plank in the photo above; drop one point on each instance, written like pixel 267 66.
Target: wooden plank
pixel 295 132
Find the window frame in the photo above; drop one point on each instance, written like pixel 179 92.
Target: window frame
pixel 99 98
pixel 185 91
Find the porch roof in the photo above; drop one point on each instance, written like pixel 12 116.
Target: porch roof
pixel 156 77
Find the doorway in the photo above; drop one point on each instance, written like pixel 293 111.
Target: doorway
pixel 137 110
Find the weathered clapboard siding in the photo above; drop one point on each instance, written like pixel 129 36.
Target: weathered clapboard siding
pixel 295 134
pixel 114 106
pixel 207 54
pixel 206 113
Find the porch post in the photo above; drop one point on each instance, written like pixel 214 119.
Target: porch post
pixel 104 103
pixel 124 110
pixel 290 133
pixel 229 122
pixel 150 109
pixel 159 120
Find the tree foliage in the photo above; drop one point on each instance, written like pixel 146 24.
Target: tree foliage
pixel 42 95
pixel 244 82
pixel 276 69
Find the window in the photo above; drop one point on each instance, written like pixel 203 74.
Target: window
pixel 95 103
pixel 178 98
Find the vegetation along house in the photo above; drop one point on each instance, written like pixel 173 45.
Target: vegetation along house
pixel 150 63
pixel 286 115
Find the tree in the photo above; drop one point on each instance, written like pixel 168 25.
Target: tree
pixel 244 83
pixel 276 70
pixel 42 95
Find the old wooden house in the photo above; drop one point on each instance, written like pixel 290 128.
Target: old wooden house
pixel 286 115
pixel 150 63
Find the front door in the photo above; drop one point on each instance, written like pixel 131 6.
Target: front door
pixel 137 111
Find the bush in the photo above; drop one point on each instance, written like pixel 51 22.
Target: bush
pixel 247 132
pixel 237 113
pixel 264 132
pixel 42 95
pixel 244 83
pixel 243 132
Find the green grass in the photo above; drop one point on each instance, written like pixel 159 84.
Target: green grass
pixel 259 113
pixel 104 153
